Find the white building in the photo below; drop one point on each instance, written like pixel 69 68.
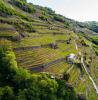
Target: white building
pixel 71 58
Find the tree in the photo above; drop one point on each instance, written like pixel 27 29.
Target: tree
pixel 66 76
pixel 6 93
pixel 65 91
pixel 8 66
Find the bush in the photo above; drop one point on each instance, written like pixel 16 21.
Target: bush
pixel 66 76
pixel 6 9
pixel 48 11
pixel 6 93
pixel 43 17
pixel 28 7
pixel 59 18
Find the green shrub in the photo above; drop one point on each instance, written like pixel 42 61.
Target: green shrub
pixel 22 4
pixel 7 93
pixel 6 9
pixel 59 18
pixel 43 17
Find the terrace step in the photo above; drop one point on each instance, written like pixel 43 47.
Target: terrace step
pixel 42 66
pixel 26 48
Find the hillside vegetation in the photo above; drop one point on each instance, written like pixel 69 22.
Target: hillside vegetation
pixel 35 47
pixel 19 84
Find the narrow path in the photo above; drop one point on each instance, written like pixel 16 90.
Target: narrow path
pixel 76 45
pixel 94 84
pixel 70 69
pixel 82 62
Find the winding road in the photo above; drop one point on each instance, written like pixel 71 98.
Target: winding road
pixel 94 84
pixel 83 64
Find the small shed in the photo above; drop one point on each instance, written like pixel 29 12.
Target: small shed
pixel 71 58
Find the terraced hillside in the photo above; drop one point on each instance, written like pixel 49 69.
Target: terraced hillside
pixel 42 42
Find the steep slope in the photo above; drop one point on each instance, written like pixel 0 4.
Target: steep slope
pixel 43 41
pixel 93 25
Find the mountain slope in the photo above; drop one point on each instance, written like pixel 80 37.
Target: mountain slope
pixel 43 42
pixel 93 25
